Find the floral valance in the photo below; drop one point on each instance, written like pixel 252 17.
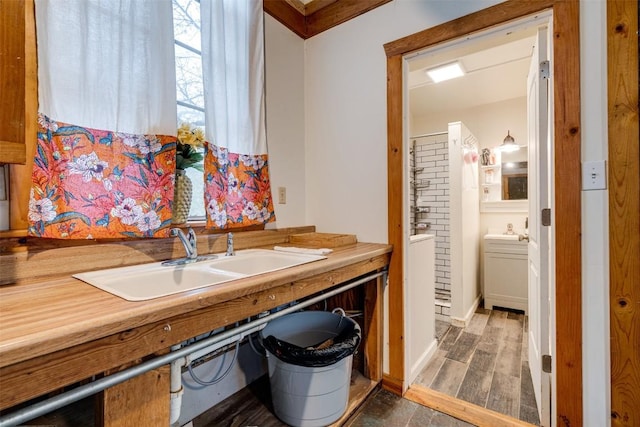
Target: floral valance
pixel 89 183
pixel 237 189
pixel 104 164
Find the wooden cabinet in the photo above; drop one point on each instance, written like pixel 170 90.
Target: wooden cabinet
pixel 18 79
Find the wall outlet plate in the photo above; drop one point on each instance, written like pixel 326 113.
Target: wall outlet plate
pixel 282 195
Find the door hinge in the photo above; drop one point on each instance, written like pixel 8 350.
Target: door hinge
pixel 544 70
pixel 546 363
pixel 545 217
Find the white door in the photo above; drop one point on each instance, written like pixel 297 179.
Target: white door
pixel 538 87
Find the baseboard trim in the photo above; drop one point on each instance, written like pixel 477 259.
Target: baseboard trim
pixel 465 411
pixel 422 361
pixel 393 385
pixel 462 323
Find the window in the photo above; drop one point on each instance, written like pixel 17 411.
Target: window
pixel 189 84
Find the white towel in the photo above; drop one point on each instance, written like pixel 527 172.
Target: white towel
pixel 321 251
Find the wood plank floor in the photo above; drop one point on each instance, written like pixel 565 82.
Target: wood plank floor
pixel 385 409
pixel 486 364
pixel 252 407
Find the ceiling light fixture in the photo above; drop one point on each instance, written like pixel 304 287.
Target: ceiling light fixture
pixel 445 72
pixel 509 144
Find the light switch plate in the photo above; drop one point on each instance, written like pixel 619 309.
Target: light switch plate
pixel 594 176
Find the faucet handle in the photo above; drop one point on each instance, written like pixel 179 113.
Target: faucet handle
pixel 192 235
pixel 509 229
pixel 230 249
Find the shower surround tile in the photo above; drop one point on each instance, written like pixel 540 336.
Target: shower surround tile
pixel 432 154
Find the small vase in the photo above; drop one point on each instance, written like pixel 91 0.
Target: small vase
pixel 181 198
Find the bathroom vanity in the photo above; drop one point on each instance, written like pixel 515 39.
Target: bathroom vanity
pixel 505 272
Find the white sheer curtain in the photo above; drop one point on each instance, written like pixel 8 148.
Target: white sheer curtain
pixel 233 68
pixel 107 64
pixel 105 160
pixel 237 187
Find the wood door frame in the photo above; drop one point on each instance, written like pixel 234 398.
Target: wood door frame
pixel 567 171
pixel 624 205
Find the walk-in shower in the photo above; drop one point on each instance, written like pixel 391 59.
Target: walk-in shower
pixel 444 202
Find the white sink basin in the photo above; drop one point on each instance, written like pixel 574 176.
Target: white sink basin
pixel 148 281
pixel 258 261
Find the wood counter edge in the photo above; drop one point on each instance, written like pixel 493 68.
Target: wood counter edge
pixel 54 369
pixel 129 315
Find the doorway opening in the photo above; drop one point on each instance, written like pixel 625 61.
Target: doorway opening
pixel 565 122
pixel 482 355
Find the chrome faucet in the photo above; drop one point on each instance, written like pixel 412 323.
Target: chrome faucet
pixel 230 250
pixel 189 241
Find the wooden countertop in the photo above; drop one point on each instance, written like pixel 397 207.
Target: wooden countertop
pixel 44 317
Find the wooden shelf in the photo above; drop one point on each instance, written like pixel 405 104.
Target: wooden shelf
pixel 323 240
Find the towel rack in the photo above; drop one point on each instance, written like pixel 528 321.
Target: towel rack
pixel 417 221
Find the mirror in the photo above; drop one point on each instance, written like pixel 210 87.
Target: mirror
pixel 514 175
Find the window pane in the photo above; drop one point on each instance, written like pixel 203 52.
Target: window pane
pixel 189 77
pixel 189 87
pixel 189 115
pixel 186 22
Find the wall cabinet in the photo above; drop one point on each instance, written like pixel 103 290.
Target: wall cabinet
pixel 18 81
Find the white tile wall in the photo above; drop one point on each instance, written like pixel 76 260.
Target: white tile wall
pixel 432 154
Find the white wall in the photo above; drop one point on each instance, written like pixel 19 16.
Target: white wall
pixel 284 73
pixel 345 117
pixel 421 332
pixel 346 114
pixel 488 122
pixel 464 228
pixel 595 219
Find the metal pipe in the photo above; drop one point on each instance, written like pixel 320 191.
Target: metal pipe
pixel 56 402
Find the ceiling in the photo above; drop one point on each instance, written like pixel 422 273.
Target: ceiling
pixel 308 18
pixel 496 66
pixel 496 61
